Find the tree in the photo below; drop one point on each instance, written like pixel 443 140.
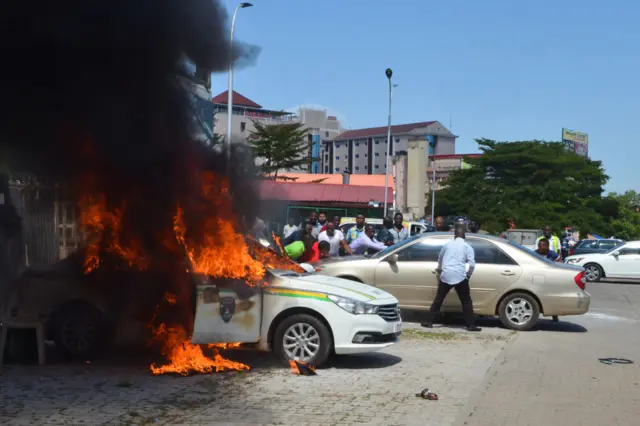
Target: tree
pixel 281 147
pixel 534 182
pixel 621 216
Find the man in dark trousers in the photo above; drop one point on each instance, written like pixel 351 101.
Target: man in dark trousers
pixel 454 257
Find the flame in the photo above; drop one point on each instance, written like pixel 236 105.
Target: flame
pixel 301 368
pixel 214 247
pixel 186 358
pixel 103 229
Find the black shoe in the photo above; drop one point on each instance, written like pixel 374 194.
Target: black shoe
pixel 473 328
pixel 427 324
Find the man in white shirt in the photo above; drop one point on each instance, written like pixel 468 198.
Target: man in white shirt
pixel 335 238
pixel 454 257
pixel 289 228
pixel 365 242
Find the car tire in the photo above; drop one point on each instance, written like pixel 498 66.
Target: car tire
pixel 79 330
pixel 519 311
pixel 317 333
pixel 594 271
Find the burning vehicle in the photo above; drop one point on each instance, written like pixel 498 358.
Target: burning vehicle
pixel 298 315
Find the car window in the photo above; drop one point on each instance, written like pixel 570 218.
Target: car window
pixel 488 253
pixel 629 251
pixel 606 245
pixel 588 244
pixel 423 251
pixel 389 249
pixel 416 229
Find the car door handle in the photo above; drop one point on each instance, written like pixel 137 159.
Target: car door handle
pixel 507 273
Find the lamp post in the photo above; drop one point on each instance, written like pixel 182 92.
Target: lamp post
pixel 230 93
pixel 388 73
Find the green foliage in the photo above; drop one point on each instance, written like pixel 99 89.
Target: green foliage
pixel 534 182
pixel 281 147
pixel 620 215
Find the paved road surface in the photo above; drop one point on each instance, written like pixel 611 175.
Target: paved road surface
pixel 553 377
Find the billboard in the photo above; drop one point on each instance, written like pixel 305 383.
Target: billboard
pixel 576 141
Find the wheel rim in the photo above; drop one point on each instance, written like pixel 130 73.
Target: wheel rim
pixel 592 272
pixel 78 333
pixel 301 342
pixel 519 311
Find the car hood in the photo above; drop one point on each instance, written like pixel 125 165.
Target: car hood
pixel 332 260
pixel 336 286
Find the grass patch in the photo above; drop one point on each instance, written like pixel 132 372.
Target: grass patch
pixel 416 334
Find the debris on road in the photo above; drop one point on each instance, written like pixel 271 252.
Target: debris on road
pixel 302 368
pixel 427 395
pixel 611 361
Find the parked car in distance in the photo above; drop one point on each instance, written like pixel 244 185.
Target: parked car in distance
pixel 594 246
pixel 414 228
pixel 510 281
pixel 620 262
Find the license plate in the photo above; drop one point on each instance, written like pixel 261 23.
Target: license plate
pixel 397 328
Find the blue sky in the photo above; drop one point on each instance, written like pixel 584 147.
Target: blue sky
pixel 505 70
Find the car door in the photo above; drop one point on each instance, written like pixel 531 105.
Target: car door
pixel 625 265
pixel 226 314
pixel 412 278
pixel 495 271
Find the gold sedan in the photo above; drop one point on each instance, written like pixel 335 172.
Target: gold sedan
pixel 509 280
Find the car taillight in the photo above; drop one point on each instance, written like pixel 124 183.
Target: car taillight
pixel 571 251
pixel 581 280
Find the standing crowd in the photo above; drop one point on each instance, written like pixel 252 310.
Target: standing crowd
pixel 319 238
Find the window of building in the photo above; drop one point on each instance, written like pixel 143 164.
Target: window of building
pixel 326 169
pixel 365 167
pixel 377 142
pixel 377 154
pixel 310 138
pixel 337 157
pixel 337 169
pixel 357 168
pixel 243 126
pixel 357 143
pixel 397 140
pixel 357 155
pixel 365 155
pixel 326 134
pixel 376 166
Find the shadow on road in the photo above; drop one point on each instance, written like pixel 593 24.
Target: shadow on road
pixel 363 361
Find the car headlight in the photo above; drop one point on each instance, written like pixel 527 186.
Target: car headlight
pixel 575 260
pixel 353 306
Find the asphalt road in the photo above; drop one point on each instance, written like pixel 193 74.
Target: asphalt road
pixel 552 376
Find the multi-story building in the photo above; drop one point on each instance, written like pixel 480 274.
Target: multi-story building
pixel 319 125
pixel 364 151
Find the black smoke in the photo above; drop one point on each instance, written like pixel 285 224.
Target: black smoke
pixel 89 98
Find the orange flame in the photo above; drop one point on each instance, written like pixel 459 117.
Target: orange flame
pixel 301 368
pixel 186 358
pixel 103 229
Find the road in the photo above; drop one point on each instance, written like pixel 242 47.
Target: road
pixel 553 376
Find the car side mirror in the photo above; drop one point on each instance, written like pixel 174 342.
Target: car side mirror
pixel 615 253
pixel 392 259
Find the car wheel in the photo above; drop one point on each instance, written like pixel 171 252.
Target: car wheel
pixel 593 272
pixel 519 311
pixel 79 330
pixel 303 337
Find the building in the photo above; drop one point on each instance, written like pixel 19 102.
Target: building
pixel 364 151
pixel 320 126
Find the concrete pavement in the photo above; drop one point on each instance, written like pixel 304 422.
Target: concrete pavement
pixel 553 377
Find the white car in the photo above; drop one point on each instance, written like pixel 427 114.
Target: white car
pixel 302 317
pixel 620 262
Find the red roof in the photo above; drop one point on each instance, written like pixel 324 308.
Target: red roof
pixel 382 131
pixel 238 99
pixel 287 191
pixel 456 156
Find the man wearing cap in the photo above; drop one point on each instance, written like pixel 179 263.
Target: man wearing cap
pixel 454 257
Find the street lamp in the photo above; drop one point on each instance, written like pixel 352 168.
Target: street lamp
pixel 230 94
pixel 388 73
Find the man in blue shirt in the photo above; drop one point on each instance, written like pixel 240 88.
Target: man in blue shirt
pixel 454 257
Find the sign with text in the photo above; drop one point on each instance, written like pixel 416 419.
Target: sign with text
pixel 576 141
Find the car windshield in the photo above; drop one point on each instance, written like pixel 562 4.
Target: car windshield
pixel 530 252
pixel 389 249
